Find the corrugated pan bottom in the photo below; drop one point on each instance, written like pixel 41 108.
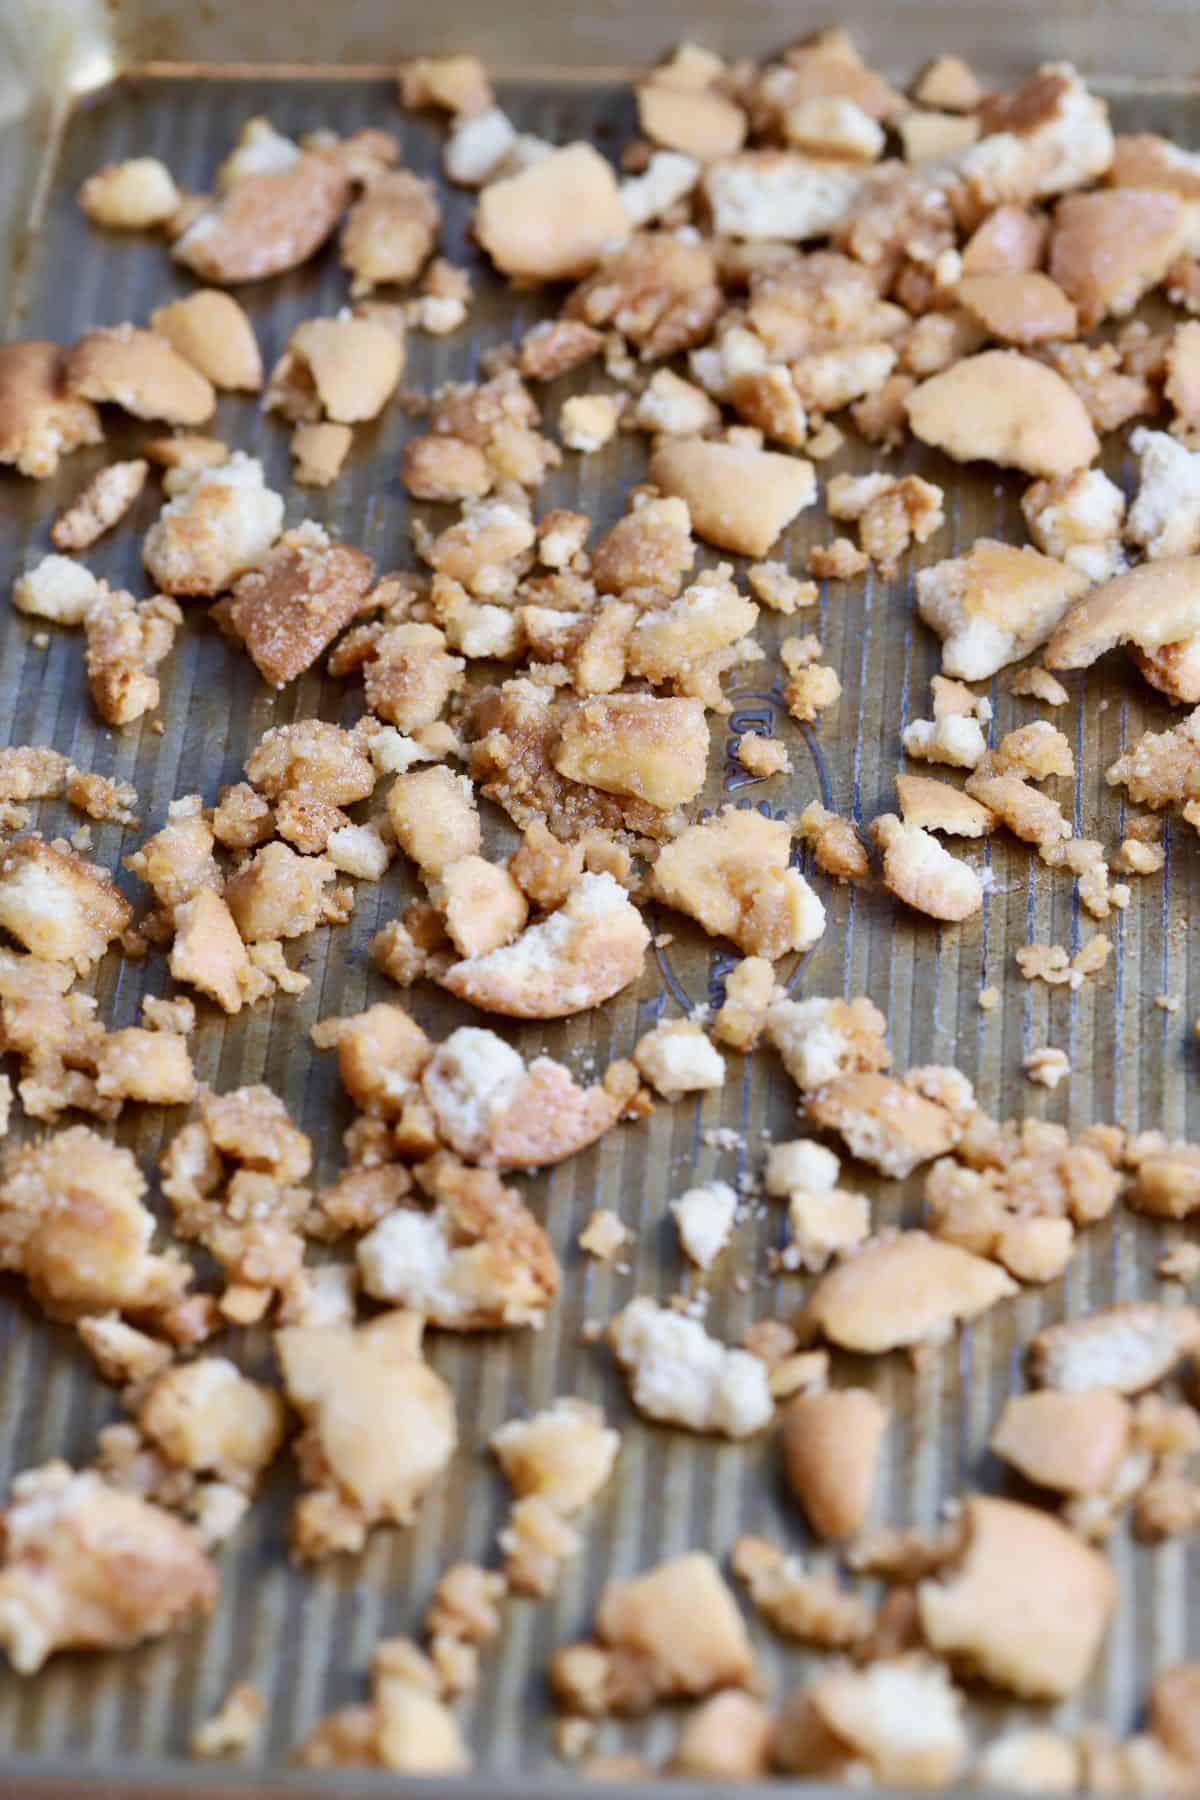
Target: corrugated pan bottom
pixel 304 1639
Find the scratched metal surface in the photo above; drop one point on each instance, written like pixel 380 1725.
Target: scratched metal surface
pixel 304 1639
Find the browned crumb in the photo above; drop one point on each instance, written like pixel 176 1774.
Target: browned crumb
pixel 57 905
pixel 103 502
pixel 920 872
pixel 86 1567
pixel 1028 1605
pixel 742 1015
pixel 235 1726
pixel 762 756
pixel 318 452
pixel 1039 684
pixel 980 410
pixel 277 894
pixel 731 874
pixel 1071 1443
pixel 604 1235
pixel 904 1291
pixel 41 419
pixel 675 1632
pixel 831 1448
pixel 1126 1347
pixel 810 1608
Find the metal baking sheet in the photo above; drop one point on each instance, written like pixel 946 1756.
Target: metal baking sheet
pixel 304 1638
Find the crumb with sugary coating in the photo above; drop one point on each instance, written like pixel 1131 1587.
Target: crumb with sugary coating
pixel 105 500
pixel 899 1720
pixel 41 417
pixel 73 1223
pixel 564 1455
pixel 1035 683
pixel 672 1633
pixel 1002 407
pixel 291 608
pixel 652 749
pixel 774 587
pixel 677 1058
pixel 381 1054
pixel 126 641
pixel 278 894
pixel 731 874
pixel 275 207
pixel 87 1568
pixel 923 874
pixel 588 421
pixel 840 560
pixel 956 739
pixel 821 1039
pixel 219 525
pixel 704 1219
pixel 208 953
pixel 812 690
pixel 1077 518
pixel 390 231
pixel 994 605
pixel 554 347
pixel 434 816
pixel 588 950
pixel 681 1375
pixel 1026 1607
pixel 1164 519
pixel 313 757
pixel 1127 1347
pixel 409 676
pixel 544 868
pixel 657 289
pixel 949 84
pixel 478 1261
pixel 101 797
pixel 58 905
pixel 208 1417
pixel 177 861
pixel 740 1019
pixel 339 1378
pixel 58 589
pixel 441 467
pixel 836 846
pixel 122 1354
pixel 1045 137
pixel 806 1607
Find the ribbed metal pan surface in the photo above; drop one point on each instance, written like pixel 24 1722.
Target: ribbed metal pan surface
pixel 304 1638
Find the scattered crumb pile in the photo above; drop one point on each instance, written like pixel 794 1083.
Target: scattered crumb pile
pixel 787 258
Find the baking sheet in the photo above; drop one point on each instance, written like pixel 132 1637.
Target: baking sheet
pixel 304 1639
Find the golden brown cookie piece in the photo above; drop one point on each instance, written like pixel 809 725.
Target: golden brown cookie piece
pixel 86 1567
pixel 831 1449
pixel 1028 1605
pixel 739 499
pixel 290 610
pixel 901 1292
pixel 1002 407
pixel 141 372
pixel 554 220
pixel 41 419
pixel 213 333
pixel 1109 248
